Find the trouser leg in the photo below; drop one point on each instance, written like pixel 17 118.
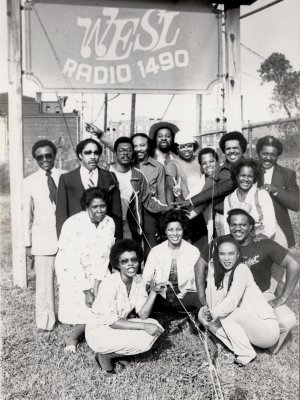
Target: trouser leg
pixel 216 328
pixel 45 303
pixel 241 328
pixel 277 272
pixel 286 319
pixel 150 230
pixel 199 232
pixel 240 343
pixel 191 301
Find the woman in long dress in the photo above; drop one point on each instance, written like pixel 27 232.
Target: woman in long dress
pixel 82 261
pixel 236 311
pixel 110 331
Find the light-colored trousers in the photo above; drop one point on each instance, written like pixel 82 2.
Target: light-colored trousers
pixel 286 319
pixel 277 272
pixel 45 301
pixel 242 328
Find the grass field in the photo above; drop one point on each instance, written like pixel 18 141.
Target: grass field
pixel 34 366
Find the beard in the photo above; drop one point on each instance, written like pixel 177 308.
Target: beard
pixel 164 149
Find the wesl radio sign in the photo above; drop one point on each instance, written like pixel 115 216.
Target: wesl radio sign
pixel 124 49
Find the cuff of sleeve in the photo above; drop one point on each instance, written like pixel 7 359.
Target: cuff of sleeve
pixel 99 135
pixel 191 203
pixel 112 320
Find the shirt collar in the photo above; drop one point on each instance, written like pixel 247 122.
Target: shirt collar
pixel 269 171
pixel 150 161
pixel 86 172
pixel 164 156
pixel 53 171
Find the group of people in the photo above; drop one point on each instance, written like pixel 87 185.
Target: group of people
pixel 163 228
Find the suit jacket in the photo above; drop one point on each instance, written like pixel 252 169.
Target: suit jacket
pixel 39 221
pixel 70 191
pixel 287 199
pixel 216 188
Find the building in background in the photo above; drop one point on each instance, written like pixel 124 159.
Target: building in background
pixel 142 125
pixel 42 120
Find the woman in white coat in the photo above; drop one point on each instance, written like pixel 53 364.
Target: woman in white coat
pixel 172 263
pixel 82 261
pixel 119 325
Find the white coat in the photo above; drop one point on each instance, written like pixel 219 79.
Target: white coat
pixel 39 222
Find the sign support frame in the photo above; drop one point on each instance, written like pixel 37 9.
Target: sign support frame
pixel 233 69
pixel 15 92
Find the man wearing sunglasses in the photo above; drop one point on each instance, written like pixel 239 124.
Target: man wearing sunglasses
pixel 184 180
pixel 39 205
pixel 72 185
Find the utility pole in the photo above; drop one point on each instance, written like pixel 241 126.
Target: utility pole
pixel 199 99
pixel 233 69
pixel 105 112
pixel 16 139
pixel 132 115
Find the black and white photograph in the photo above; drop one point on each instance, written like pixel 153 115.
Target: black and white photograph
pixel 149 192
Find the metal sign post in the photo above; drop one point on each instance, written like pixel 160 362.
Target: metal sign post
pixel 233 69
pixel 16 139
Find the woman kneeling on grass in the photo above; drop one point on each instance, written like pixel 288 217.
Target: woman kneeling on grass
pixel 172 264
pixel 110 332
pixel 237 312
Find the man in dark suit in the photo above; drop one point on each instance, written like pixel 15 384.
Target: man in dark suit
pixel 72 185
pixel 282 186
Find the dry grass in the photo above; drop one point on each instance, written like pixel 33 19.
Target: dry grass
pixel 34 366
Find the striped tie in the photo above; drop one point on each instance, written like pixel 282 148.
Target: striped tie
pixel 52 187
pixel 90 183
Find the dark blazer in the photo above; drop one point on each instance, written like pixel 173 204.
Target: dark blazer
pixel 70 190
pixel 287 199
pixel 216 188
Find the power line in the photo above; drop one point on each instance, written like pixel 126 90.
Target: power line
pixel 260 9
pixel 168 106
pixel 252 51
pixel 252 76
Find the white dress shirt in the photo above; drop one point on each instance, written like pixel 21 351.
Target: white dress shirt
pixel 86 175
pixel 268 175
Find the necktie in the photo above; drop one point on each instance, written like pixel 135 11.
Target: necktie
pixel 90 183
pixel 52 187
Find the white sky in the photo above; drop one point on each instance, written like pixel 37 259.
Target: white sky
pixel 276 29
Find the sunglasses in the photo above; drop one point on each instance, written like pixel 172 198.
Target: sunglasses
pixel 125 261
pixel 47 156
pixel 89 152
pixel 188 146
